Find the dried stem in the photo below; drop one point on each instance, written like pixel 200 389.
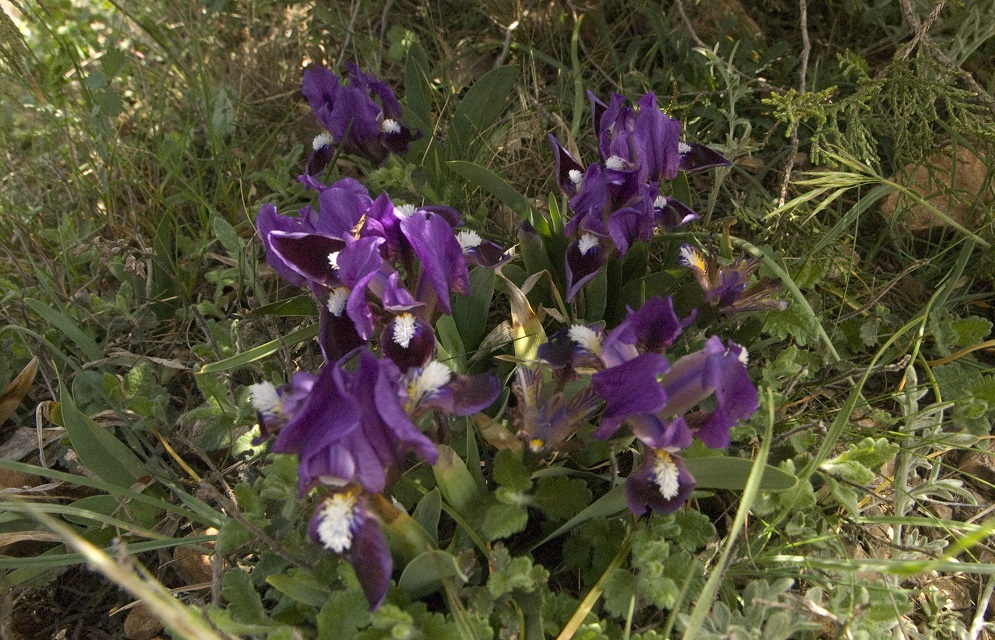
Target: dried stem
pixel 802 86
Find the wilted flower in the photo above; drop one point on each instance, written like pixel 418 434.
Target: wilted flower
pixel 727 287
pixel 546 421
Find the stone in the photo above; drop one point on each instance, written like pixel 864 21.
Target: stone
pixel 952 182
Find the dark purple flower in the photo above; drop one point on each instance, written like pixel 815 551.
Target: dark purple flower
pixel 267 220
pixel 584 259
pixel 343 523
pixel 647 139
pixel 362 116
pixel 698 157
pixel 274 405
pixel 408 340
pixel 650 386
pixel 717 371
pixel 670 213
pixel 353 427
pixel 569 172
pixel 443 266
pixel 728 287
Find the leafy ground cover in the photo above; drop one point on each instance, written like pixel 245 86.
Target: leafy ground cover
pixel 141 141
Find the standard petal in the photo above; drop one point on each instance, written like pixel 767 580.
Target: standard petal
pixel 441 257
pixel 630 388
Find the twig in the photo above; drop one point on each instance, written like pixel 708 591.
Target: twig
pixel 979 616
pixel 802 85
pixel 383 25
pixel 348 34
pixel 921 29
pixel 687 25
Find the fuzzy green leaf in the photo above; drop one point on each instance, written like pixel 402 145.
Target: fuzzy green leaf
pixel 244 602
pixel 502 520
pixel 300 585
pixel 562 497
pixel 509 471
pixel 427 573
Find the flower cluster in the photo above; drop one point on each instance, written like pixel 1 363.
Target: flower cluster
pixel 383 272
pixel 363 117
pixel 618 202
pixel 662 402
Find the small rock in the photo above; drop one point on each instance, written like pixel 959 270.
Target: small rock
pixel 141 624
pixel 953 186
pixel 191 565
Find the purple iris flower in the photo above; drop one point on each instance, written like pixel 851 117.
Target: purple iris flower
pixel 647 139
pixel 435 386
pixel 649 387
pixel 363 116
pixel 727 287
pixel 344 523
pixel 353 428
pixel 268 220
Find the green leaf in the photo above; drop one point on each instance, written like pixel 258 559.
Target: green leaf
pixel 426 573
pixel 244 602
pixel 343 614
pixel 262 351
pixel 971 330
pixel 454 480
pixel 302 305
pixel 607 505
pixel 68 327
pixel 731 473
pixel 493 184
pixel 417 91
pixel 478 110
pixel 562 497
pixel 510 471
pixel 228 237
pixel 301 586
pixel 503 520
pixel 449 338
pixel 428 511
pixel 98 450
pixel 470 312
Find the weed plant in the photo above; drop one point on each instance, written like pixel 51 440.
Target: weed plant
pixel 138 309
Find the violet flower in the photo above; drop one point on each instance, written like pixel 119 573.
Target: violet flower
pixel 649 386
pixel 353 427
pixel 363 116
